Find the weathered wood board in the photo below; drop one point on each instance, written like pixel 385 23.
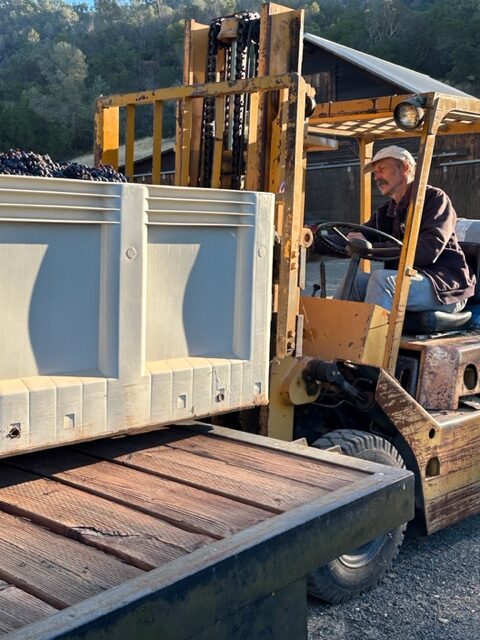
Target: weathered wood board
pixel 185 532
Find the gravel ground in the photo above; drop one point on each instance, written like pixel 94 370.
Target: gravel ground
pixel 433 590
pixel 432 593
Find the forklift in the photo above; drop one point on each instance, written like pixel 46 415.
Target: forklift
pixel 382 386
pixel 398 387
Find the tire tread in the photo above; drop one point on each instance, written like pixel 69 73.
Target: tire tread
pixel 321 583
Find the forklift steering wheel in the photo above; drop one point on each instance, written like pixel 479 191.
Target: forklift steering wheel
pixel 366 250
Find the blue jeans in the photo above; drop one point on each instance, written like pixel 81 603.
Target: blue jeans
pixel 378 287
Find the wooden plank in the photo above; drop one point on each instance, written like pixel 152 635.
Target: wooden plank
pixel 18 608
pixel 247 485
pixel 225 577
pixel 187 507
pixel 55 569
pixel 317 473
pixel 137 538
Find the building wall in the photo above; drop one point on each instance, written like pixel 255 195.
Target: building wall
pixel 332 189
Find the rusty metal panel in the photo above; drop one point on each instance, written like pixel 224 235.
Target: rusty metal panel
pixel 447 450
pixel 291 198
pixel 280 51
pixel 188 98
pixel 449 369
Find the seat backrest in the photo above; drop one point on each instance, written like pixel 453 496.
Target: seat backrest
pixel 468 234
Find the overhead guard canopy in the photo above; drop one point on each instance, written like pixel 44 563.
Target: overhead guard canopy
pixel 373 117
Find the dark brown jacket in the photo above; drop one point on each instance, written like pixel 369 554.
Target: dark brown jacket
pixel 438 255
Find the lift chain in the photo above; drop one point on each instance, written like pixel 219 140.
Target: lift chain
pixel 208 115
pixel 246 61
pixel 246 49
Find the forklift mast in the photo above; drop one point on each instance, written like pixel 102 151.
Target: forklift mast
pixel 255 140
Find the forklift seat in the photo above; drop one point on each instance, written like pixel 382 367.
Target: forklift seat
pixel 435 321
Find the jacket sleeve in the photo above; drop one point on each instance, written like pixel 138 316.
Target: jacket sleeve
pixel 436 229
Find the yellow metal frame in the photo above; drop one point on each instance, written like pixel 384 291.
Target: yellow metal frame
pixel 372 118
pixel 107 127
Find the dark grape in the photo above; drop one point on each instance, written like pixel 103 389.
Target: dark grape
pixel 16 162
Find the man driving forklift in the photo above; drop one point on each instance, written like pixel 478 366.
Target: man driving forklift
pixel 444 281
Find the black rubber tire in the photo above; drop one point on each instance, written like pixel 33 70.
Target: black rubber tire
pixel 362 569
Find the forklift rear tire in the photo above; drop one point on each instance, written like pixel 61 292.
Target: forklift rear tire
pixel 362 569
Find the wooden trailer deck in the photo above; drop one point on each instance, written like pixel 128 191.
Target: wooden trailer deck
pixel 185 532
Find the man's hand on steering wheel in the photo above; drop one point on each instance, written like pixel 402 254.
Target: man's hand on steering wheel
pixel 356 244
pixel 355 234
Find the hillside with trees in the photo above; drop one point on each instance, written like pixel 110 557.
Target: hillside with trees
pixel 57 57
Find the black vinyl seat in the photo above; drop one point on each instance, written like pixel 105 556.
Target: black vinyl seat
pixel 436 321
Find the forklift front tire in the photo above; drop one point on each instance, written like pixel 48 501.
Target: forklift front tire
pixel 363 568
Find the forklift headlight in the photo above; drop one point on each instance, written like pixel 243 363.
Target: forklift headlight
pixel 409 115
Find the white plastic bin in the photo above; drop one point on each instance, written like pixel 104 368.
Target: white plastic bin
pixel 125 305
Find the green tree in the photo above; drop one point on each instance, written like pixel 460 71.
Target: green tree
pixel 60 96
pixel 56 58
pixel 457 29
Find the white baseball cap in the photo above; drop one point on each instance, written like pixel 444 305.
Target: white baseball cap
pixel 390 152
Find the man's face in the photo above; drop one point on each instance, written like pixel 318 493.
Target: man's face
pixel 390 176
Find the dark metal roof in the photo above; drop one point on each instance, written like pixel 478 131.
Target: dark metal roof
pixel 143 150
pixel 410 81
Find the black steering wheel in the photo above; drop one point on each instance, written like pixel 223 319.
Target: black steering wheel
pixel 358 246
